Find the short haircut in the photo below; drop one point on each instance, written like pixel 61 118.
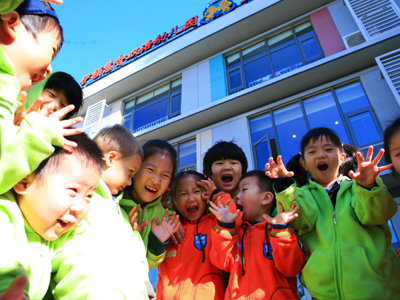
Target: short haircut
pixel 153 147
pixel 66 84
pixel 264 183
pixel 36 24
pixel 223 150
pixel 181 175
pixel 87 153
pixel 390 132
pixel 317 134
pixel 119 139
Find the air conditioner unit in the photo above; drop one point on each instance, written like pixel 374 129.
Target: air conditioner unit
pixel 353 39
pixel 95 116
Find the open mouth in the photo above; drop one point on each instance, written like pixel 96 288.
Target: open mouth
pixel 192 210
pixel 150 189
pixel 238 206
pixel 62 223
pixel 322 167
pixel 227 178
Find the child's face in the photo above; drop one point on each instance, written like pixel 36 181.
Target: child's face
pixel 56 205
pixel 249 199
pixel 152 179
pixel 395 151
pixel 51 97
pixel 226 174
pixel 32 57
pixel 188 198
pixel 120 171
pixel 323 159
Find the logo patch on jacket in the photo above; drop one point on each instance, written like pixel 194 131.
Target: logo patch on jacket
pixel 268 251
pixel 203 238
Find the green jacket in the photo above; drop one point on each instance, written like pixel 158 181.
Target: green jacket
pixel 348 248
pixel 7 6
pixel 23 251
pixel 104 259
pixel 148 213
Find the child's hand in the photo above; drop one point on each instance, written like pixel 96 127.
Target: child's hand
pixel 179 236
pixel 223 213
pixel 166 229
pixel 20 113
pixel 133 218
pixel 277 170
pixel 283 217
pixel 16 289
pixel 368 170
pixel 209 186
pixel 164 199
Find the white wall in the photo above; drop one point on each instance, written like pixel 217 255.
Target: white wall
pixel 343 19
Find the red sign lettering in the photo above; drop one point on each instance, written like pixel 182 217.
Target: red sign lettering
pixel 179 31
pixel 120 60
pixel 85 79
pixel 97 73
pixel 108 67
pixel 146 46
pixel 191 23
pixel 171 33
pixel 160 39
pixel 134 53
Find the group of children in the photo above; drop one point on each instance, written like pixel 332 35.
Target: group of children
pixel 85 219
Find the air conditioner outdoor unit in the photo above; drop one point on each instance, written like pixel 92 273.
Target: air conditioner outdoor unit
pixel 353 39
pixel 95 114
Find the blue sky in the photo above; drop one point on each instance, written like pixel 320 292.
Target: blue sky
pixel 97 31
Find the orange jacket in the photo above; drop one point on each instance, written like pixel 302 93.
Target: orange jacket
pixel 186 272
pixel 272 259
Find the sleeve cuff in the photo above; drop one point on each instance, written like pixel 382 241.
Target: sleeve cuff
pixel 226 225
pixel 282 183
pixel 215 193
pixel 156 246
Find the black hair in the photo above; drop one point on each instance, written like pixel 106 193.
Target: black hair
pixel 300 174
pixel 36 24
pixel 119 139
pixel 66 84
pixel 223 150
pixel 264 183
pixel 153 147
pixel 87 153
pixel 317 134
pixel 181 175
pixel 390 132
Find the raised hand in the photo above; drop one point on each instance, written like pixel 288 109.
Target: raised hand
pixel 20 113
pixel 222 212
pixel 283 217
pixel 166 229
pixel 209 186
pixel 275 170
pixel 16 289
pixel 368 170
pixel 164 199
pixel 179 236
pixel 133 218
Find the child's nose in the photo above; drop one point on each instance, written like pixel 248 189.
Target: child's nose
pixel 156 179
pixel 77 207
pixel 49 70
pixel 129 182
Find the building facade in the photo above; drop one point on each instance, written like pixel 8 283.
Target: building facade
pixel 261 73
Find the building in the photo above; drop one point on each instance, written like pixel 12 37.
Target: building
pixel 262 73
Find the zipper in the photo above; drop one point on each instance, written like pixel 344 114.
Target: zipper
pixel 334 218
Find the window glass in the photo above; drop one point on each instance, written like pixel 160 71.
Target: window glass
pixel 176 83
pixel 151 114
pixel 233 60
pixel 286 60
pixel 352 97
pixel 161 90
pixel 290 128
pixel 364 128
pixel 281 40
pixel 127 121
pixel 304 30
pixel 254 51
pixel 235 79
pixel 263 153
pixel 321 111
pixel 257 71
pixel 260 126
pixel 129 106
pixel 310 48
pixel 176 104
pixel 395 240
pixel 187 155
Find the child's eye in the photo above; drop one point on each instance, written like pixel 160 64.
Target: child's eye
pixel 150 169
pixel 74 190
pixel 167 176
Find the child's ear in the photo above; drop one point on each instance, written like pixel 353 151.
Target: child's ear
pixel 110 158
pixel 9 27
pixel 267 198
pixel 303 163
pixel 342 158
pixel 22 186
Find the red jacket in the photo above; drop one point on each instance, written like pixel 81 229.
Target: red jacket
pixel 271 262
pixel 183 274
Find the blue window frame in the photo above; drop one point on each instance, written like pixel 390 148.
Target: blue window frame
pixel 273 56
pixel 153 107
pixel 186 152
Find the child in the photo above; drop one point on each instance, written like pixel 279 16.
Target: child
pixel 225 163
pixel 263 257
pixel 186 272
pixel 342 223
pixel 109 233
pixel 43 206
pixel 60 90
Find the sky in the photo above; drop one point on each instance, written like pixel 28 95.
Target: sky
pixel 97 31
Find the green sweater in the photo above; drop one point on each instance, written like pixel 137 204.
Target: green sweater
pixel 348 248
pixel 23 251
pixel 105 259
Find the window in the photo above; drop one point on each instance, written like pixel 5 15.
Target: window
pixel 272 57
pixel 153 107
pixel 345 109
pixel 186 155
